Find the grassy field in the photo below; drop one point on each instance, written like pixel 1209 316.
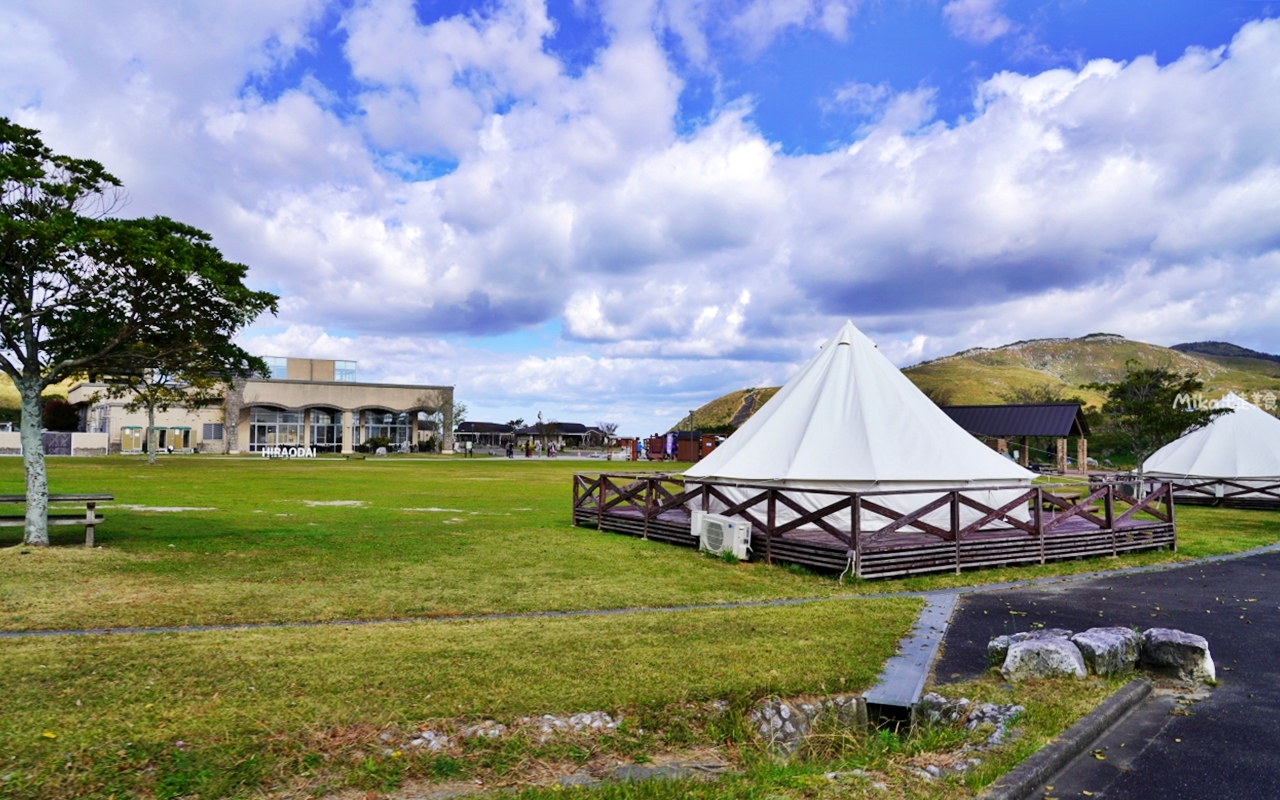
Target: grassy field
pixel 298 711
pixel 271 541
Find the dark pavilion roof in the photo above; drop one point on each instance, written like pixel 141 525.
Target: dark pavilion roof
pixel 484 427
pixel 557 428
pixel 1032 419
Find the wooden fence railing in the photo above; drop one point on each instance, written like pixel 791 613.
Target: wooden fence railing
pixel 1225 492
pixel 887 533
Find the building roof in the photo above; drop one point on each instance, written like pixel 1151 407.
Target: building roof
pixel 557 428
pixel 850 419
pixel 1029 419
pixel 484 427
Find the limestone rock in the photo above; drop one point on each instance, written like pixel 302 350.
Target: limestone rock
pixel 1177 654
pixel 783 724
pixel 1109 651
pixel 998 647
pixel 1043 658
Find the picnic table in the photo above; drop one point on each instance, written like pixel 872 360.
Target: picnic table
pixel 89 519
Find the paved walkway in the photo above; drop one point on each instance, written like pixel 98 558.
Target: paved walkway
pixel 1227 746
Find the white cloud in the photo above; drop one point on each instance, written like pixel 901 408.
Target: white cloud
pixel 978 21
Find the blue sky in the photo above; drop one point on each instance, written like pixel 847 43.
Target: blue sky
pixel 619 210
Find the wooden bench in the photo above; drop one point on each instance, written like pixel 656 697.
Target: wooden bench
pixel 89 519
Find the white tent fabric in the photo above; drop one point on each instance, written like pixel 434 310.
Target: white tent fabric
pixel 850 421
pixel 1241 446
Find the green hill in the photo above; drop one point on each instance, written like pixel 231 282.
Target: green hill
pixel 984 375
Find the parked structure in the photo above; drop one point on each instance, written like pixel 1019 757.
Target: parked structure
pixel 999 424
pixel 302 402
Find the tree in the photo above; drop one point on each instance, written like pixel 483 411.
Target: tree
pixel 82 292
pixel 518 422
pixel 610 431
pixel 194 376
pixel 1142 412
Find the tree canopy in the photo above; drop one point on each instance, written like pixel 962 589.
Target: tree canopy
pixel 82 292
pixel 1142 412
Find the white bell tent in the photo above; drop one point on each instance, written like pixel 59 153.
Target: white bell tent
pixel 1242 446
pixel 850 421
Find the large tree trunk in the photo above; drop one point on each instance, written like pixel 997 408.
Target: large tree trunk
pixel 151 434
pixel 36 529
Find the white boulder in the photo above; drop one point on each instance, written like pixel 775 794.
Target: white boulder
pixel 1109 651
pixel 1177 654
pixel 1043 658
pixel 998 647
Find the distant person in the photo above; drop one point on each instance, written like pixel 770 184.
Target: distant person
pixel 511 450
pixel 468 448
pixel 551 451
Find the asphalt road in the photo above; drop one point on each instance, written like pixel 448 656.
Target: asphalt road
pixel 1225 746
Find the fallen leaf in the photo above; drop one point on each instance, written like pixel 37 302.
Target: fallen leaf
pixel 49 735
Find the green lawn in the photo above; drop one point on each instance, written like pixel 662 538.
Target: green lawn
pixel 300 709
pixel 429 537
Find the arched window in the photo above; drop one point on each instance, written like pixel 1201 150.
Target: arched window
pixel 269 427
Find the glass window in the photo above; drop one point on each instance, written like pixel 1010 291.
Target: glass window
pixel 397 427
pixel 271 428
pixel 277 367
pixel 344 371
pixel 212 431
pixel 326 430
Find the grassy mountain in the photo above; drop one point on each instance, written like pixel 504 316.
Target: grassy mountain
pixel 983 375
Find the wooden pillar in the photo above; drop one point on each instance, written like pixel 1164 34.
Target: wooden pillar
pixel 856 513
pixel 768 531
pixel 1040 520
pixel 1062 456
pixel 1082 455
pixel 955 525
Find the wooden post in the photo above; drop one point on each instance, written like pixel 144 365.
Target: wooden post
pixel 1173 522
pixel 955 524
pixel 1025 456
pixel 600 502
pixel 1110 505
pixel 855 509
pixel 90 516
pixel 648 494
pixel 706 498
pixel 768 530
pixel 1040 521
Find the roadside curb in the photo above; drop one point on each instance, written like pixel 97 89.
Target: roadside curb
pixel 1020 782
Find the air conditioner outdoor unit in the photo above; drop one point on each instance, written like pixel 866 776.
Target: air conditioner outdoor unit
pixel 717 534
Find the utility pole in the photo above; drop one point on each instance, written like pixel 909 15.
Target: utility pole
pixel 693 448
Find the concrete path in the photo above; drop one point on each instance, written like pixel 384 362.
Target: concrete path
pixel 1222 747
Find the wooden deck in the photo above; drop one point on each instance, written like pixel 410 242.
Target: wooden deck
pixel 1067 521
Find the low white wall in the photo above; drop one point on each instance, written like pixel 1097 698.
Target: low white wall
pixel 82 444
pixel 88 444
